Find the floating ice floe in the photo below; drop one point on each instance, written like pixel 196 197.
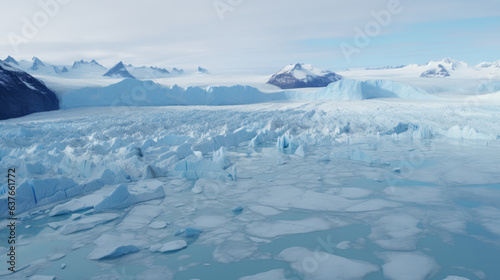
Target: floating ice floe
pixel 126 195
pixel 236 249
pixel 77 204
pixel 276 274
pixel 324 266
pixel 139 217
pixel 173 246
pixel 112 246
pixel 87 223
pixel 408 265
pixel 158 225
pixel 285 227
pixel 396 232
pixel 42 277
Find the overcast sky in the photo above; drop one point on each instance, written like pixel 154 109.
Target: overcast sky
pixel 251 35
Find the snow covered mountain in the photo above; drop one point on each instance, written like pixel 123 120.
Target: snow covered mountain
pixel 119 71
pixel 439 71
pixel 446 67
pixel 177 71
pixel 85 69
pixel 35 66
pixel 21 94
pixel 145 72
pixel 302 76
pixel 489 65
pixel 386 67
pixel 449 64
pixel 41 68
pixel 11 60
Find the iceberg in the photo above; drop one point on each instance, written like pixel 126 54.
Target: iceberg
pixel 125 195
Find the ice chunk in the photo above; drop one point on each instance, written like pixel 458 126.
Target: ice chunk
pixel 238 210
pixel 372 205
pixel 324 266
pixel 396 232
pixel 42 277
pixel 32 193
pixel 210 221
pixel 87 223
pixel 350 192
pixel 125 195
pixel 286 142
pixel 35 168
pixel 198 188
pixel 183 151
pixel 194 168
pixel 415 194
pixel 51 189
pixel 173 246
pixel 56 256
pixel 285 227
pixel 276 274
pixel 467 132
pixel 264 210
pixel 344 245
pixel 158 225
pixel 236 249
pixel 192 232
pixel 301 151
pixel 408 265
pixel 288 196
pixel 112 246
pixel 219 157
pixel 211 187
pixel 77 204
pixel 24 196
pixel 155 248
pixel 451 277
pixel 139 217
pixel 234 173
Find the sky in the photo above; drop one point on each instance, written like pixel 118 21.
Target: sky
pixel 251 35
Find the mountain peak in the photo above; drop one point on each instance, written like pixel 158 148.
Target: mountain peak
pixel 95 62
pixel 450 64
pixel 178 71
pixel 439 71
pixel 10 59
pixel 301 75
pixel 37 63
pixel 78 64
pixel 119 71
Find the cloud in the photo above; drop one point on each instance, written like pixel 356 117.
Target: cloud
pixel 254 33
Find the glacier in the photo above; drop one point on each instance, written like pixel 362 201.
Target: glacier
pixel 370 177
